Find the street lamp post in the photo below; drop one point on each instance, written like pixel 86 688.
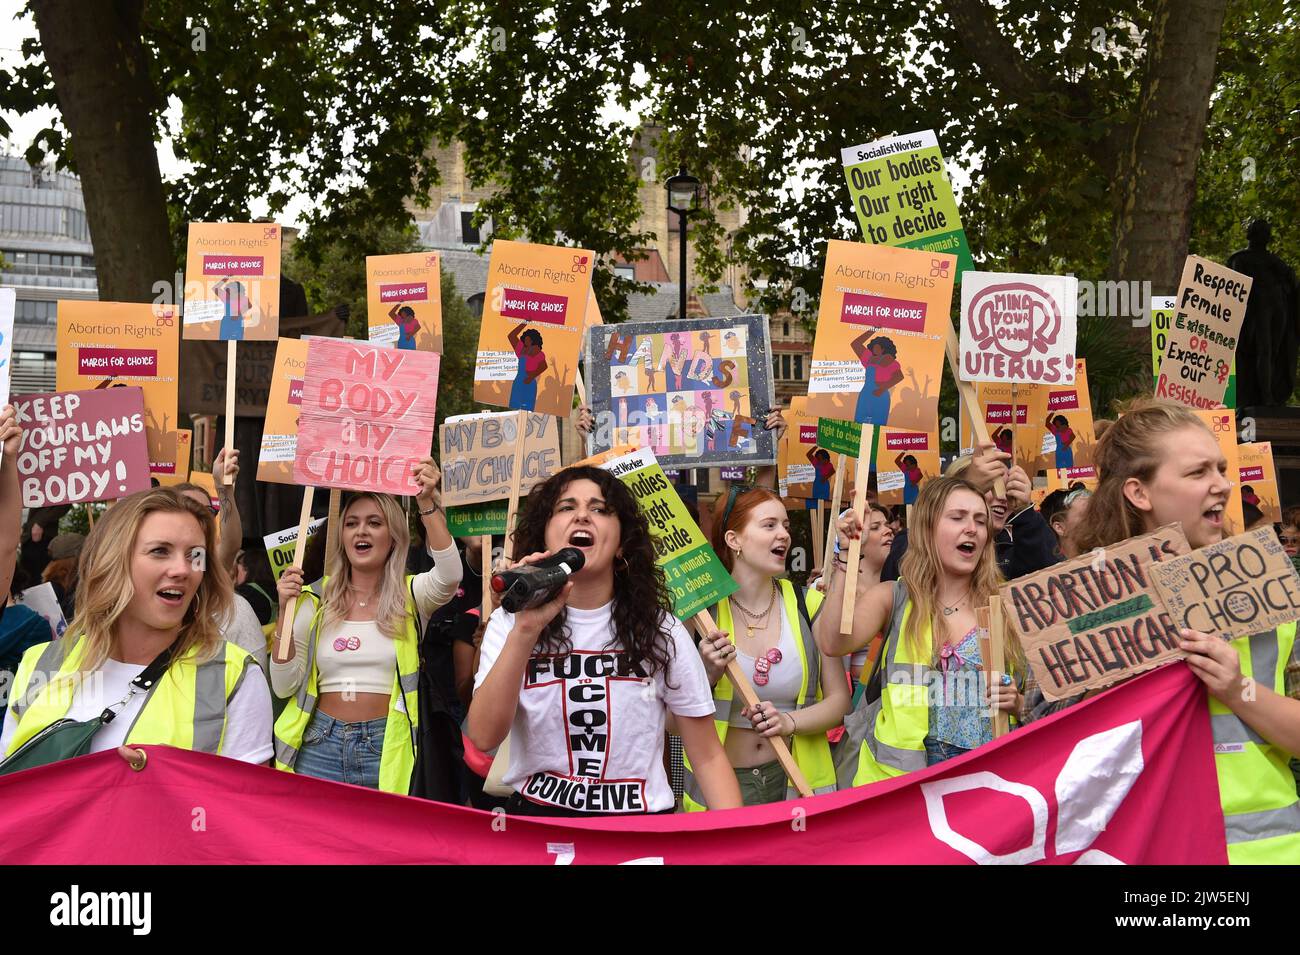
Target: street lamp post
pixel 683 199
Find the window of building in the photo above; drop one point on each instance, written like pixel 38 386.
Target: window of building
pixel 475 303
pixel 625 272
pixel 785 367
pixel 785 329
pixel 776 367
pixel 468 231
pixel 798 367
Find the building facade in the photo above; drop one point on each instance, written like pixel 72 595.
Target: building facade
pixel 47 255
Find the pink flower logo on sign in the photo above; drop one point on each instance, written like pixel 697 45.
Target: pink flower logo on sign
pixel 579 264
pixel 1015 318
pixel 270 232
pixel 939 268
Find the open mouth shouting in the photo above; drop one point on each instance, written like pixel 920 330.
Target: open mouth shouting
pixel 1214 515
pixel 967 549
pixel 582 539
pixel 362 547
pixel 172 596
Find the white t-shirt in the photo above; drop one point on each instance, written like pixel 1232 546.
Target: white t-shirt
pixel 588 734
pixel 248 714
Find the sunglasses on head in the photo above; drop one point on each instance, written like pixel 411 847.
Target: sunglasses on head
pixel 1073 496
pixel 736 491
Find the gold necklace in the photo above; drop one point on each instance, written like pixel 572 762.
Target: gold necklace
pixel 360 602
pixel 759 619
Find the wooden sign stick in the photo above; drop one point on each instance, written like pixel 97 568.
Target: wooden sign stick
pixel 704 625
pixel 996 662
pixel 230 403
pixel 836 496
pixel 966 392
pixel 815 518
pixel 1012 426
pixel 515 479
pixel 332 528
pixel 855 545
pixel 285 641
pixel 485 567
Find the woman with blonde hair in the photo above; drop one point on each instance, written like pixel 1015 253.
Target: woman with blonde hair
pixel 1159 464
pixel 931 637
pixel 149 596
pixel 352 668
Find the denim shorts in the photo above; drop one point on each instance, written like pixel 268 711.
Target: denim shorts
pixel 937 751
pixel 342 752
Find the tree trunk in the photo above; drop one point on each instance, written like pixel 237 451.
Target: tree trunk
pixel 1155 185
pixel 107 100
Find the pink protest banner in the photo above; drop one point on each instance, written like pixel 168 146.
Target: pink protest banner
pixel 1127 777
pixel 367 416
pixel 82 446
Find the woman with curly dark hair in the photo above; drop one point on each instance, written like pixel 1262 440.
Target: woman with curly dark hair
pixel 879 357
pixel 583 684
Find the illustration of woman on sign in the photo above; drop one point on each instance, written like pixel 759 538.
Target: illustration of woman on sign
pixel 403 316
pixel 1064 434
pixel 1248 496
pixel 911 477
pixel 234 298
pixel 1002 440
pixel 879 357
pixel 824 471
pixel 527 343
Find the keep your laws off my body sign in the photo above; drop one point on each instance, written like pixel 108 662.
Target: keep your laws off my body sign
pixel 1097 619
pixel 82 446
pixel 367 416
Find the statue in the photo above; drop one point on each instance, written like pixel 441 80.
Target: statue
pixel 1270 334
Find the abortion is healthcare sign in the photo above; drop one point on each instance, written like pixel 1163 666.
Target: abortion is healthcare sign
pixel 1018 328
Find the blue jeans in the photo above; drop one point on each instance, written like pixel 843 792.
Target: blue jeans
pixel 936 751
pixel 342 752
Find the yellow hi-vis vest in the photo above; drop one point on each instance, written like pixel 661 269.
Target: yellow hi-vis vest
pixel 397 759
pixel 1261 812
pixel 811 751
pixel 899 721
pixel 186 708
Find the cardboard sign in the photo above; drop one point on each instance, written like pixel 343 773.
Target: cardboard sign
pixel 82 446
pixel 840 437
pixel 879 350
pixel 280 545
pixel 42 599
pixel 1237 587
pixel 8 302
pixel 1223 425
pixel 1160 316
pixel 1018 432
pixel 1202 340
pixel 478 455
pixel 112 344
pixel 404 301
pixel 1258 479
pixel 531 332
pixel 280 428
pixel 1068 437
pixel 367 416
pixel 1089 622
pixel 1018 328
pixel 694 391
pixel 903 460
pixel 205 480
pixel 902 195
pixel 696 578
pixel 477 520
pixel 232 281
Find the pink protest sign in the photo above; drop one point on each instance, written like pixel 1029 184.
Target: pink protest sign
pixel 367 416
pixel 82 446
pixel 1018 328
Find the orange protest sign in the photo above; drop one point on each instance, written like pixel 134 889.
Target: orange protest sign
pixel 404 301
pixel 117 344
pixel 184 447
pixel 534 314
pixel 879 351
pixel 232 281
pixel 1259 479
pixel 1068 438
pixel 903 459
pixel 280 430
pixel 1223 425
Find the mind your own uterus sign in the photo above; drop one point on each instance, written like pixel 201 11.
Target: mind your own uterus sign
pixel 1018 328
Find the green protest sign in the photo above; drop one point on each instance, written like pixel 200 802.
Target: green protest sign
pixel 902 195
pixel 839 437
pixel 696 578
pixel 1160 314
pixel 476 520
